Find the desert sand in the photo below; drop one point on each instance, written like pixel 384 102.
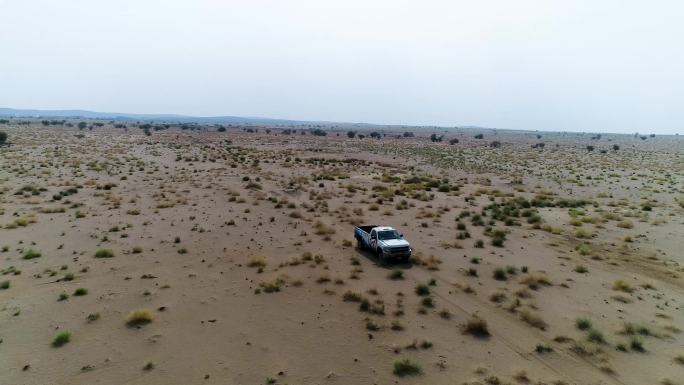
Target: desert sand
pixel 193 256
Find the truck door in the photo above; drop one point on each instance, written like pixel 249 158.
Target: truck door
pixel 373 239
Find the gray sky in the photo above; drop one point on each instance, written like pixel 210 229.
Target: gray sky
pixel 576 65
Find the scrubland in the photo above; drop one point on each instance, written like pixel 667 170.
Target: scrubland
pixel 207 256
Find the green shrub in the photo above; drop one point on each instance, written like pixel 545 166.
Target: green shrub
pixel 422 290
pixel 407 368
pixel 583 248
pixel 596 336
pixel 632 329
pixel 80 291
pixel 581 233
pixel 104 253
pixel 583 323
pixel 427 302
pixel 500 274
pixel 61 339
pixel 31 254
pixel 636 344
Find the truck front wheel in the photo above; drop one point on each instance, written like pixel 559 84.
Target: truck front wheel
pixel 381 256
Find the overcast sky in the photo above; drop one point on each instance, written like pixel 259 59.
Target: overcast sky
pixel 575 65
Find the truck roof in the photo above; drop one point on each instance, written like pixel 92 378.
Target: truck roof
pixel 383 228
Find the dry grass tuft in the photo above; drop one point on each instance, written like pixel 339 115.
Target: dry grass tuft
pixel 477 327
pixel 623 286
pixel 139 317
pixel 535 280
pixel 257 261
pixel 533 320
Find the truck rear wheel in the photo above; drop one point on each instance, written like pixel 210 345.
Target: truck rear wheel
pixel 359 244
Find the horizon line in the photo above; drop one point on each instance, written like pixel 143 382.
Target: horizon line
pixel 35 113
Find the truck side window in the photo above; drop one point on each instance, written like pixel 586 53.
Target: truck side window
pixel 374 234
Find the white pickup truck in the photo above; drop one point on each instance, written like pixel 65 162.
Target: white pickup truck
pixel 385 241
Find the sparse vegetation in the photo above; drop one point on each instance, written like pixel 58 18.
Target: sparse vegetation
pixel 576 249
pixel 595 336
pixel 407 368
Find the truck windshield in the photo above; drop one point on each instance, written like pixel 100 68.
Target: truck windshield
pixel 388 234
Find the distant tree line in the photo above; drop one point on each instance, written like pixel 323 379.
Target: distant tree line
pixel 53 122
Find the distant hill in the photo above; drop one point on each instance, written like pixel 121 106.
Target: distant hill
pixel 175 118
pixel 83 114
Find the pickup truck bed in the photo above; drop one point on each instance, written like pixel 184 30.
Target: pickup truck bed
pixel 367 228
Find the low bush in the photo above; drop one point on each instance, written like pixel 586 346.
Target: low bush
pixel 477 327
pixel 407 368
pixel 104 253
pixel 61 339
pixel 31 254
pixel 583 323
pixel 139 317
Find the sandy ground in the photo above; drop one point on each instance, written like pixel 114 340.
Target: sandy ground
pixel 240 246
